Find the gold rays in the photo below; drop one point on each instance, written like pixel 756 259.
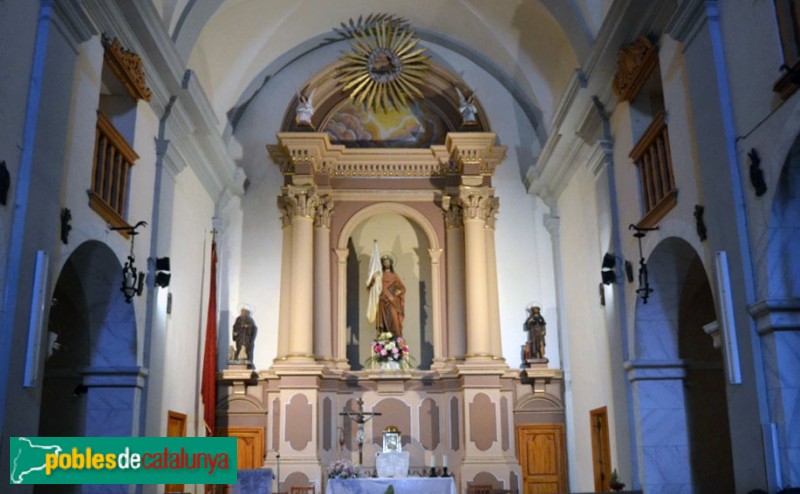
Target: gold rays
pixel 385 67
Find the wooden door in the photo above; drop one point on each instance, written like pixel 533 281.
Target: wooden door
pixel 176 427
pixel 249 445
pixel 540 448
pixel 601 448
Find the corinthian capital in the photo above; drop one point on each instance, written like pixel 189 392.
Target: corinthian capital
pixel 286 213
pixel 323 211
pixel 476 202
pixel 493 207
pixel 299 200
pixel 453 215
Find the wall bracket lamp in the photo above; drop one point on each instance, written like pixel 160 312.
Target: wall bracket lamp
pixel 132 279
pixel 644 289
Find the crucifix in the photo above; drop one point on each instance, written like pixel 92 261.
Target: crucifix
pixel 360 417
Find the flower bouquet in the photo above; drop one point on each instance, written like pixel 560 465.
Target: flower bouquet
pixel 389 351
pixel 343 469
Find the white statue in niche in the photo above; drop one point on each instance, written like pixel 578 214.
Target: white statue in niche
pixel 467 108
pixel 304 110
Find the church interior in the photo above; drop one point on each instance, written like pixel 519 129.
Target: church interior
pixel 549 246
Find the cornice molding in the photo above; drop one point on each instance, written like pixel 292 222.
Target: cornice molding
pixel 687 20
pixel 472 153
pixel 775 315
pixel 601 156
pixel 73 23
pixel 575 84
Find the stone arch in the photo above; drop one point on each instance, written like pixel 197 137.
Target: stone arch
pixel 777 315
pixel 388 207
pixel 91 372
pixel 539 402
pixel 485 478
pixel 427 347
pixel 783 263
pixel 675 370
pixel 656 321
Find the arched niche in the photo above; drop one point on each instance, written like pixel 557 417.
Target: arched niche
pixel 408 235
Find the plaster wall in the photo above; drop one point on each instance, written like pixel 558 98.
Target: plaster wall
pixel 752 67
pixel 17 22
pixel 184 341
pixel 585 325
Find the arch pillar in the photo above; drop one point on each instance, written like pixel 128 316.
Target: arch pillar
pixel 661 428
pixel 778 326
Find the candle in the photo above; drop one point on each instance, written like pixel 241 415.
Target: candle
pixel 444 461
pixel 433 460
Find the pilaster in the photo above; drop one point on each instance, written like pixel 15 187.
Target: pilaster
pixel 456 308
pixel 322 278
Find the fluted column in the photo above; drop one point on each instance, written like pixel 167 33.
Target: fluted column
pixel 286 278
pixel 475 204
pixel 456 311
pixel 302 202
pixel 493 207
pixel 322 277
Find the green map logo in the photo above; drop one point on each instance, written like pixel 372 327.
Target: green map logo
pixel 122 460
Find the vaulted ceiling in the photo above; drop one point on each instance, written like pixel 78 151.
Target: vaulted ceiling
pixel 532 47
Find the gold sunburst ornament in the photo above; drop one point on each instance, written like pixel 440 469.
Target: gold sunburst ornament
pixel 386 66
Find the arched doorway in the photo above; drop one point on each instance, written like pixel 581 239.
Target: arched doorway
pixel 91 381
pixel 683 433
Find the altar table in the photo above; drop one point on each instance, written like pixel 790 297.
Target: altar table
pixel 258 481
pixel 409 485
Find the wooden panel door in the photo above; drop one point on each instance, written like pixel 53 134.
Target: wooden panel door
pixel 540 448
pixel 601 449
pixel 249 445
pixel 176 427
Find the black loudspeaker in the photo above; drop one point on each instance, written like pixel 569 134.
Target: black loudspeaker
pixel 162 279
pixel 607 273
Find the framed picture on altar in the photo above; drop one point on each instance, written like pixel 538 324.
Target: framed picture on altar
pixel 391 440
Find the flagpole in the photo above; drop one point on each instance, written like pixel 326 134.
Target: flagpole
pixel 198 404
pixel 208 391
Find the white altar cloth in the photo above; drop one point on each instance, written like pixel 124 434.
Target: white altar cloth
pixel 408 485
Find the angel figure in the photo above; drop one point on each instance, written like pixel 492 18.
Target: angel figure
pixel 467 108
pixel 304 110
